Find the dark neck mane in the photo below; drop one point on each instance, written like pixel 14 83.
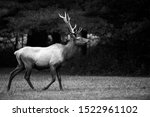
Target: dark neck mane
pixel 70 49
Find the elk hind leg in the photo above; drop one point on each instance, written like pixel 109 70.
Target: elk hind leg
pixel 16 71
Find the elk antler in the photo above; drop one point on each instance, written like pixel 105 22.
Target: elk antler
pixel 67 19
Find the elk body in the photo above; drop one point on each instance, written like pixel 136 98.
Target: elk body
pixel 51 57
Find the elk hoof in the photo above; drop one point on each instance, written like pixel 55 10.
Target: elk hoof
pixel 8 88
pixel 45 88
pixel 61 89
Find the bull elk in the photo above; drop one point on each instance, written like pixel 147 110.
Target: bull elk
pixel 51 57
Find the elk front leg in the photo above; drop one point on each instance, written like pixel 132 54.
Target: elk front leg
pixel 16 71
pixel 53 73
pixel 59 79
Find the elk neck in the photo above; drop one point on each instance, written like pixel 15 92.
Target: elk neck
pixel 70 49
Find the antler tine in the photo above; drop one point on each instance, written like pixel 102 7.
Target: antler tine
pixel 80 29
pixel 74 27
pixel 60 15
pixel 63 17
pixel 68 18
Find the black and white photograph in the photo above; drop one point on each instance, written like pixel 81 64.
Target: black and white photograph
pixel 74 50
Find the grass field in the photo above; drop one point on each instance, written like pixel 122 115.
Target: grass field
pixel 75 87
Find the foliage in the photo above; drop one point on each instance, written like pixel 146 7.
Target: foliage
pixel 121 25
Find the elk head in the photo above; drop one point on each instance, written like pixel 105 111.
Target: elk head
pixel 74 33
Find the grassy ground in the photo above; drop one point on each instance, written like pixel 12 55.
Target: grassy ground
pixel 75 87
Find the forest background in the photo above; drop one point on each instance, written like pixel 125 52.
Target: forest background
pixel 122 26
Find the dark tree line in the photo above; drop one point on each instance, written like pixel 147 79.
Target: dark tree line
pixel 124 27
